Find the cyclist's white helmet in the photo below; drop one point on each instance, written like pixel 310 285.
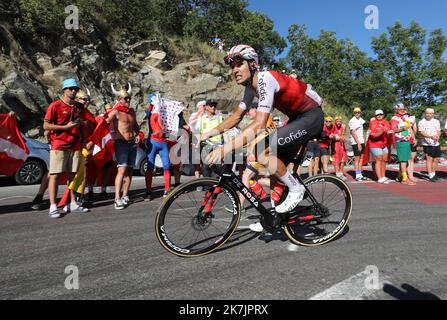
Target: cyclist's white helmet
pixel 241 51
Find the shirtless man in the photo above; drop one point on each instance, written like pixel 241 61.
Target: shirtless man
pixel 124 131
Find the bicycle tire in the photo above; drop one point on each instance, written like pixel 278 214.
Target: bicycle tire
pixel 296 231
pixel 167 222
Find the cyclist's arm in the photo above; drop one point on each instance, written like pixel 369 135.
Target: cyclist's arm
pixel 267 87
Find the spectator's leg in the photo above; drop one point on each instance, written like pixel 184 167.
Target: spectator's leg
pixel 325 160
pixel 435 165
pixel 127 181
pixel 44 184
pixel 310 168
pixel 411 166
pixel 53 184
pixel 119 182
pixel 429 165
pixel 132 157
pixel 164 154
pixel 379 168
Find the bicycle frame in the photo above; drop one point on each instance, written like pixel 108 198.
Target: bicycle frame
pixel 228 177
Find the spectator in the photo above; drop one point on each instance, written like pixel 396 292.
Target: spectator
pixel 414 145
pixel 340 156
pixel 103 177
pixel 325 143
pixel 124 133
pixel 221 45
pixel 313 147
pixel 156 144
pixel 175 150
pixel 358 142
pixel 192 122
pixel 430 130
pixel 63 122
pixel 378 145
pixel 401 128
pixel 206 122
pixel 215 42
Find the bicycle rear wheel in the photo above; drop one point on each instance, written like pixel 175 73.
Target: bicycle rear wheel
pixel 197 218
pixel 312 225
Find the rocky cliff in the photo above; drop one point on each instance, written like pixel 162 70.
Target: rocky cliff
pixel 30 79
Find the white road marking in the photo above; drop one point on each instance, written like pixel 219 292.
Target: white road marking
pixel 292 247
pixel 353 288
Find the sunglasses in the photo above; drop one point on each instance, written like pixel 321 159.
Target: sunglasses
pixel 127 99
pixel 72 88
pixel 328 121
pixel 233 57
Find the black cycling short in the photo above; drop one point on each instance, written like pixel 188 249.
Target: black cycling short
pixel 414 147
pixel 433 152
pixel 357 152
pixel 287 140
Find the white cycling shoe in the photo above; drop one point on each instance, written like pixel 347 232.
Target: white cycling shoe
pixel 256 227
pixel 292 200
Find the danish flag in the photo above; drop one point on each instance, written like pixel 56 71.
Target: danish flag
pixel 13 150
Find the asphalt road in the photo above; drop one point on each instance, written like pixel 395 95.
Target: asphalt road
pixel 396 232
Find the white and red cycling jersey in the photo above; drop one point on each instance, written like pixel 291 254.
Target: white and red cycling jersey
pixel 283 92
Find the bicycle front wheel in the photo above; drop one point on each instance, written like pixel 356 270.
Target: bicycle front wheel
pixel 319 224
pixel 197 218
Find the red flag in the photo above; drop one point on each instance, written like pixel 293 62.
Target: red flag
pixel 104 147
pixel 13 150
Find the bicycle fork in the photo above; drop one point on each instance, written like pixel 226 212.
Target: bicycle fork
pixel 208 202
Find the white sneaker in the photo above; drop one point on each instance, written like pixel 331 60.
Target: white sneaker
pixel 79 209
pixel 119 204
pixel 55 214
pixel 256 227
pixel 125 200
pixel 292 200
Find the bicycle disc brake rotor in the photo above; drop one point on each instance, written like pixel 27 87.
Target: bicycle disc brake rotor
pixel 200 222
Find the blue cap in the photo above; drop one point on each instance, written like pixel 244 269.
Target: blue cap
pixel 67 83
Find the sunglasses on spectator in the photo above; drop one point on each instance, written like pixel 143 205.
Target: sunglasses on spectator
pixel 72 88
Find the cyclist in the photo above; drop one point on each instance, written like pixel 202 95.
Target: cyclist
pixel 293 97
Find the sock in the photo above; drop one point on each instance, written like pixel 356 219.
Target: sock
pixel 53 207
pixel 148 177
pixel 167 175
pixel 291 183
pixel 404 176
pixel 358 173
pixel 74 206
pixel 432 175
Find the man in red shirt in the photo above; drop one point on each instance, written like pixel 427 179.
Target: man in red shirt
pixel 325 143
pixel 62 122
pixel 378 144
